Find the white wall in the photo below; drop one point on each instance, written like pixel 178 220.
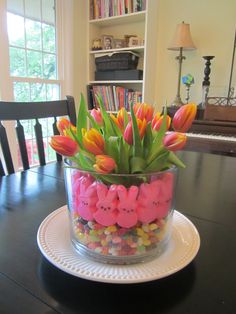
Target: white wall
pixel 212 25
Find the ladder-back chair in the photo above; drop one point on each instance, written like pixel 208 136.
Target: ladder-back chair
pixel 31 111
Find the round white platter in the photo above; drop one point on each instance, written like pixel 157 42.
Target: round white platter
pixel 54 242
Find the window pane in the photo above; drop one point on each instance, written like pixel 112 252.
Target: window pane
pixel 53 91
pixel 32 9
pixel 37 92
pixel 48 11
pixel 49 41
pixel 28 128
pixel 17 62
pixel 15 34
pixel 21 91
pixel 49 65
pixel 34 63
pixel 15 6
pixel 33 34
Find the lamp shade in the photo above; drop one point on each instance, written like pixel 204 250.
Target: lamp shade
pixel 182 38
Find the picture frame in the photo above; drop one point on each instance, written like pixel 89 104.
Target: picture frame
pixel 97 44
pixel 107 42
pixel 134 41
pixel 119 43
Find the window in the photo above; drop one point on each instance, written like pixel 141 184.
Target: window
pixel 33 57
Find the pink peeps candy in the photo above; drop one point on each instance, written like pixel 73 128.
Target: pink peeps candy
pixel 127 214
pixel 148 201
pixel 106 213
pixel 87 198
pixel 165 194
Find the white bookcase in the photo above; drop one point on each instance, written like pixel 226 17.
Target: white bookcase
pixel 144 25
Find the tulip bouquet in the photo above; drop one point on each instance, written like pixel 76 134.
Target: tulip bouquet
pixel 127 143
pixel 120 180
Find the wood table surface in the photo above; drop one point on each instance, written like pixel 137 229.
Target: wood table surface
pixel 206 194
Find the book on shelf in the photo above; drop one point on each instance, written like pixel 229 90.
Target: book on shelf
pixel 113 97
pixel 108 8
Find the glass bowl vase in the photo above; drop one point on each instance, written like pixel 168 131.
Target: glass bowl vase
pixel 120 218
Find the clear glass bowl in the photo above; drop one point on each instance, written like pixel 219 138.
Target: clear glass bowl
pixel 120 219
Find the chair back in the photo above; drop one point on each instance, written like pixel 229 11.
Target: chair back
pixel 27 111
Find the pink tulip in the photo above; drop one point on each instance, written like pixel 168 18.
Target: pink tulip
pixel 128 133
pixel 64 145
pixel 184 117
pixel 96 114
pixel 174 141
pixel 104 164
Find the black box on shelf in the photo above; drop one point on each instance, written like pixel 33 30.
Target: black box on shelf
pixel 116 61
pixel 122 75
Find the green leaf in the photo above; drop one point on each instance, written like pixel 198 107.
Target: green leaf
pixel 123 156
pixel 108 123
pixel 158 163
pixel 148 138
pixel 112 148
pixel 137 164
pixel 175 160
pixel 137 146
pixel 86 164
pixel 81 120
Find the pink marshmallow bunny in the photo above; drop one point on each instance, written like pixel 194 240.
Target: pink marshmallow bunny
pixel 165 195
pixel 87 198
pixel 149 201
pixel 127 214
pixel 106 213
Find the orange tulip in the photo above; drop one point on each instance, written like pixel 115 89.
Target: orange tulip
pixel 174 141
pixel 184 117
pixel 119 119
pixel 104 164
pixel 93 141
pixel 64 145
pixel 143 111
pixel 63 125
pixel 96 114
pixel 128 134
pixel 157 121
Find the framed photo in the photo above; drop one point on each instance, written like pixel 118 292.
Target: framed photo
pixel 97 44
pixel 119 43
pixel 107 42
pixel 134 41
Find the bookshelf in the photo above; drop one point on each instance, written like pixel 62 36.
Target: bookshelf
pixel 142 24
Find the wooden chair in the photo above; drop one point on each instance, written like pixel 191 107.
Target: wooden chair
pixel 26 111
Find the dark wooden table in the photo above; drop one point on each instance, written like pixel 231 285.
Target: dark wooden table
pixel 206 194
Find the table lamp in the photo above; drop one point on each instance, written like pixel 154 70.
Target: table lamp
pixel 181 41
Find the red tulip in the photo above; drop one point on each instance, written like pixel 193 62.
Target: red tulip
pixel 64 145
pixel 184 117
pixel 143 111
pixel 157 121
pixel 174 141
pixel 96 114
pixel 104 164
pixel 93 141
pixel 128 134
pixel 63 125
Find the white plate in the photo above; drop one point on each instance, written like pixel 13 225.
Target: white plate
pixel 54 242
